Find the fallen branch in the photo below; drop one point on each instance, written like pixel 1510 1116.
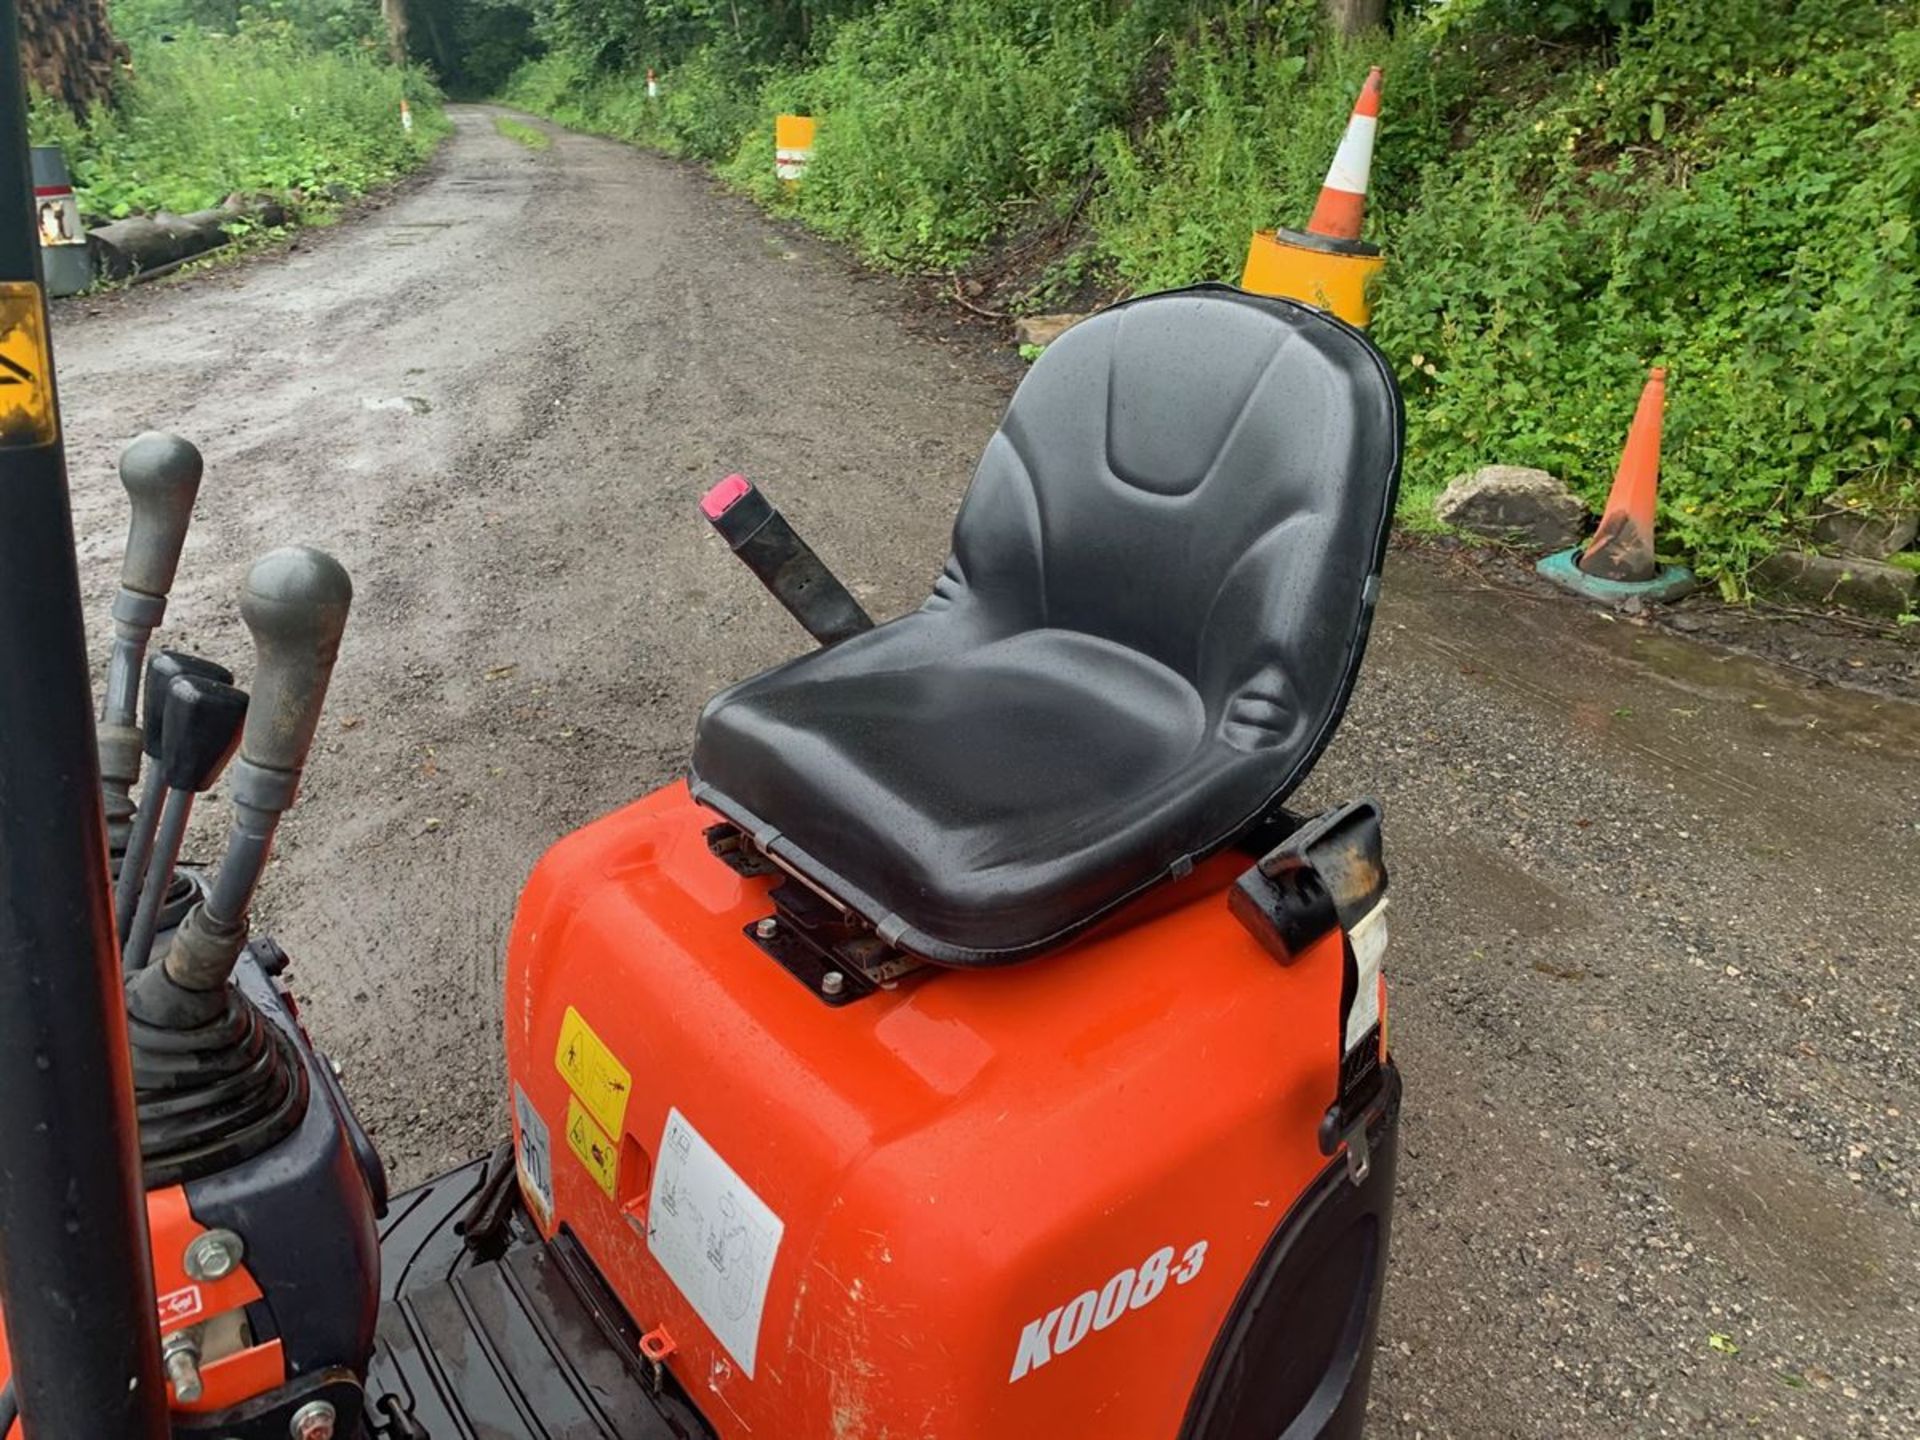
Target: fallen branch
pixel 980 310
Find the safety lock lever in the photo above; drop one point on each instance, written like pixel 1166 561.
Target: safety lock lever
pixel 1329 877
pixel 799 579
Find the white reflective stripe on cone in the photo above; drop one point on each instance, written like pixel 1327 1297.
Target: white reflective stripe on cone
pixel 1353 162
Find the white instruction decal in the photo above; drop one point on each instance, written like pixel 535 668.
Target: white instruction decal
pixel 533 1157
pixel 713 1236
pixel 1369 940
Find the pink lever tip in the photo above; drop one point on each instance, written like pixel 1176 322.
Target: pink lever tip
pixel 722 497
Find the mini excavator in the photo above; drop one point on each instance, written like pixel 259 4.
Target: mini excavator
pixel 972 1045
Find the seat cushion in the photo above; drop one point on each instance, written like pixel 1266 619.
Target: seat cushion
pixel 972 782
pixel 1156 602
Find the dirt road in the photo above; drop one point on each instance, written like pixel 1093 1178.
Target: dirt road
pixel 1656 936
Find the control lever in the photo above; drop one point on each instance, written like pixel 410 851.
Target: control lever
pixel 783 562
pixel 161 474
pixel 199 731
pixel 162 669
pixel 295 604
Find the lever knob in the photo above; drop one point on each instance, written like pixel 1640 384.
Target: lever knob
pixel 295 603
pixel 162 476
pixel 162 670
pixel 202 731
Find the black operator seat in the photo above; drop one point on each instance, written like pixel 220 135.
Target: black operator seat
pixel 1160 587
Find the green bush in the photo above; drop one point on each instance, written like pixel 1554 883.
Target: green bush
pixel 951 124
pixel 703 113
pixel 1735 198
pixel 206 114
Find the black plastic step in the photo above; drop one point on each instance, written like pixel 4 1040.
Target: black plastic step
pixel 489 1333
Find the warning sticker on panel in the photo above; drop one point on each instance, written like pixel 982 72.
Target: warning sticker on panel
pixel 714 1237
pixel 533 1157
pixel 1369 939
pixel 592 1072
pixel 588 1141
pixel 27 416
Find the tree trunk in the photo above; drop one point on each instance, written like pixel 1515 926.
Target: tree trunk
pixel 69 52
pixel 142 244
pixel 394 12
pixel 1354 17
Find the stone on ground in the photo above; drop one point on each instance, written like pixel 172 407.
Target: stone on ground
pixel 1845 580
pixel 1514 503
pixel 1866 531
pixel 1043 329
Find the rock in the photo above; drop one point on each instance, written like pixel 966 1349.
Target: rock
pixel 1845 580
pixel 1512 502
pixel 1866 530
pixel 1043 329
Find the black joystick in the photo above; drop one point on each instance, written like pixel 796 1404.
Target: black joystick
pixel 162 669
pixel 200 730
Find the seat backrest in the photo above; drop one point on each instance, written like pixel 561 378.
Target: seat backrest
pixel 1204 476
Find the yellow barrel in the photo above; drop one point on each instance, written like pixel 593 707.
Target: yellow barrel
pixel 1299 267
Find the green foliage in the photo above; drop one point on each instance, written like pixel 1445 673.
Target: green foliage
pixel 950 124
pixel 1567 190
pixel 316 24
pixel 209 114
pixel 614 36
pixel 1563 17
pixel 473 46
pixel 703 112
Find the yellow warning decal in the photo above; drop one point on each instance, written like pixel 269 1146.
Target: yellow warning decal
pixel 592 1072
pixel 599 1154
pixel 27 414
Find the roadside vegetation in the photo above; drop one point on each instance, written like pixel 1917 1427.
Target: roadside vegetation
pixel 291 98
pixel 1568 191
pixel 530 136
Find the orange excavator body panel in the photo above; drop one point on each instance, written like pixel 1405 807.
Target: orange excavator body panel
pixel 979 1203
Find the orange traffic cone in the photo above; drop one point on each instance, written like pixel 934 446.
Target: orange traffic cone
pixel 1328 265
pixel 1343 199
pixel 1622 548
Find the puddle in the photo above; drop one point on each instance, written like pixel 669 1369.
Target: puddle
pixel 405 404
pixel 1536 647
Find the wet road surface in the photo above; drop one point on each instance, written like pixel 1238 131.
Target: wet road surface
pixel 1656 937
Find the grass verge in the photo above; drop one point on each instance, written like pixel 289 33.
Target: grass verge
pixel 530 136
